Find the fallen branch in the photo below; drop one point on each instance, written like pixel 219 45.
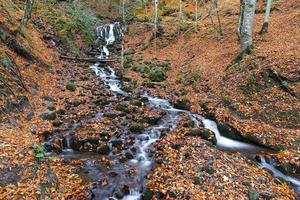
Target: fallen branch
pixel 90 60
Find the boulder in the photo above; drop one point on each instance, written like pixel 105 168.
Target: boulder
pixel 204 134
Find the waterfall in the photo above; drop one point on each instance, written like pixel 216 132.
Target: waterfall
pixel 107 35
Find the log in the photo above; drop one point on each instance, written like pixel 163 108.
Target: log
pixel 90 60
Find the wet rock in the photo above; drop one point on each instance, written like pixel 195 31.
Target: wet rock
pixel 56 145
pixel 103 149
pixel 120 193
pixel 116 143
pixel 129 155
pixel 204 134
pixel 71 86
pixel 183 104
pixel 48 115
pixel 93 140
pixel 46 134
pixel 136 128
pixel 147 194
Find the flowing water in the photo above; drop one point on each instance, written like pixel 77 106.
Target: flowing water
pixel 132 186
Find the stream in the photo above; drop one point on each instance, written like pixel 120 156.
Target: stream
pixel 122 185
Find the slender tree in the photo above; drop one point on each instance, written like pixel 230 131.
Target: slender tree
pixel 27 12
pixel 196 14
pixel 245 26
pixel 265 25
pixel 214 6
pixel 180 9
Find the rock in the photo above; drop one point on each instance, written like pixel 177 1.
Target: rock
pixel 136 103
pixel 123 107
pixel 93 140
pixel 147 194
pixel 136 127
pixel 253 194
pixel 51 108
pixel 111 115
pixel 103 149
pixel 189 124
pixel 48 115
pixel 61 112
pixel 129 155
pixel 208 168
pixel 176 146
pixel 183 104
pixel 152 120
pixel 204 134
pixel 71 86
pixel 29 115
pixel 266 195
pixel 197 180
pixel 57 123
pixel 117 143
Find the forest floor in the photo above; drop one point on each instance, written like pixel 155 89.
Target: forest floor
pixel 245 96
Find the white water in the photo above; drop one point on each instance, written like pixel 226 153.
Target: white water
pixel 141 161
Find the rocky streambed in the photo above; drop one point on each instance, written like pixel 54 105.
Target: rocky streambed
pixel 116 142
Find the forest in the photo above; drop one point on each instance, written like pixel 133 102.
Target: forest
pixel 149 99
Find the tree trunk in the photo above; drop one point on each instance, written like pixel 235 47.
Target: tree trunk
pixel 180 9
pixel 214 6
pixel 246 25
pixel 27 12
pixel 196 15
pixel 265 26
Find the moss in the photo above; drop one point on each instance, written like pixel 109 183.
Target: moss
pixel 157 75
pixel 136 128
pixel 183 104
pixel 71 86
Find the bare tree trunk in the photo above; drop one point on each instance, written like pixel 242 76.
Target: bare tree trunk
pixel 196 15
pixel 27 12
pixel 246 25
pixel 214 5
pixel 265 26
pixel 123 11
pixel 180 9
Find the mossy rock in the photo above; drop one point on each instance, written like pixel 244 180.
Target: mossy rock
pixel 183 104
pixel 103 149
pixel 48 115
pixel 123 107
pixel 204 134
pixel 71 86
pixel 147 194
pixel 57 123
pixel 157 75
pixel 61 112
pixel 136 128
pixel 136 103
pixel 152 119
